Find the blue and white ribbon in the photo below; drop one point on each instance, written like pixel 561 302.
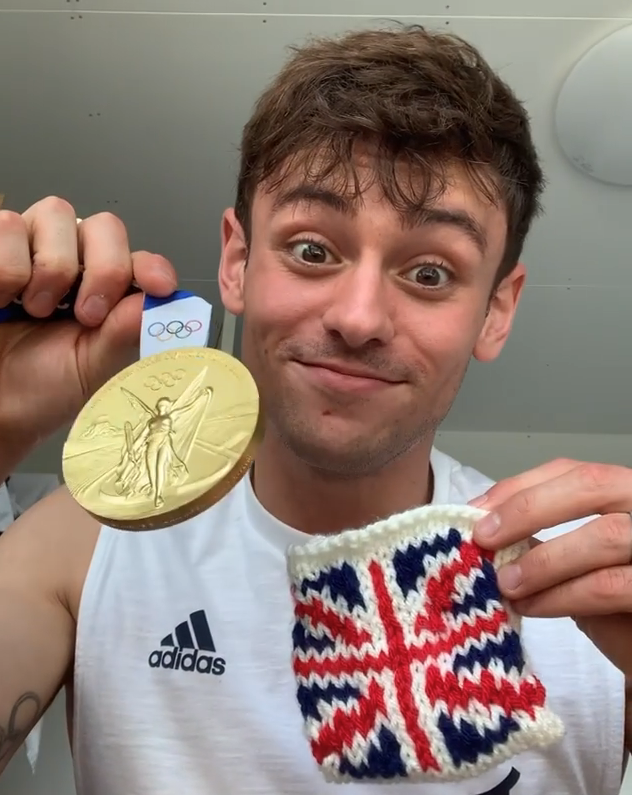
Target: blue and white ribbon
pixel 183 320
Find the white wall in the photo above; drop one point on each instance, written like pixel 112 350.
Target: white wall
pixel 497 454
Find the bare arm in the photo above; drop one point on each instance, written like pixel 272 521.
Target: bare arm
pixel 628 715
pixel 44 556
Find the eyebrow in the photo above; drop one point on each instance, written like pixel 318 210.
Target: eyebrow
pixel 312 194
pixel 422 216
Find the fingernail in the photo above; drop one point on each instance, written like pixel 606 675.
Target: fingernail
pixel 510 577
pixel 479 501
pixel 96 308
pixel 42 303
pixel 487 527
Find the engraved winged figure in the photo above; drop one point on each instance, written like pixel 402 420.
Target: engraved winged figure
pixel 156 449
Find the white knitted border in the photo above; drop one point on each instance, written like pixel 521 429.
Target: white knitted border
pixel 423 523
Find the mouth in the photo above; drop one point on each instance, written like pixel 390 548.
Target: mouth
pixel 344 378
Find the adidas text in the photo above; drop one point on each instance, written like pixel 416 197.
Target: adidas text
pixel 187 660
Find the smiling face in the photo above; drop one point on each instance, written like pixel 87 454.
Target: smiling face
pixel 359 323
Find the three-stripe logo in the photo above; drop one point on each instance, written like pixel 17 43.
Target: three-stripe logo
pixel 190 647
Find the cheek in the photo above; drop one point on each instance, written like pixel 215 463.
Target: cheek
pixel 444 338
pixel 275 306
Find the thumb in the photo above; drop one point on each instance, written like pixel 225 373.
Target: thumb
pixel 115 344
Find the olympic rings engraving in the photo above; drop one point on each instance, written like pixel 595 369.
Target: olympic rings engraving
pixel 163 332
pixel 156 382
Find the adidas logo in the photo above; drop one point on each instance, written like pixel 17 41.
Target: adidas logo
pixel 191 650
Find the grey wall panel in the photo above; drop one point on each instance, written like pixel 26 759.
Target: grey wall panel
pixel 564 9
pixel 567 367
pixel 137 6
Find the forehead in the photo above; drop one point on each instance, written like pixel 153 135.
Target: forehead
pixel 413 194
pixel 408 184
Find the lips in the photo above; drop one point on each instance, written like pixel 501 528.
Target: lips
pixel 335 378
pixel 352 374
pixel 350 371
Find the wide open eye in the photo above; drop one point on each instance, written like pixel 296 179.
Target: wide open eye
pixel 430 274
pixel 309 252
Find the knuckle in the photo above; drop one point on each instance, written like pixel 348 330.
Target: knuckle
pixel 541 556
pixel 525 503
pixel 11 220
pixel 107 217
pixel 507 486
pixel 537 562
pixel 107 278
pixel 565 463
pixel 593 476
pixel 609 583
pixel 53 264
pixel 613 532
pixel 56 205
pixel 117 276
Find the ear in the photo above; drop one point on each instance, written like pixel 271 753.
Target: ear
pixel 232 264
pixel 501 312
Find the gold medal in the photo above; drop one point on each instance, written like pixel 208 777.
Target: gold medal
pixel 164 439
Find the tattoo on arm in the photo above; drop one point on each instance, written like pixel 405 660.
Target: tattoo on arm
pixel 23 717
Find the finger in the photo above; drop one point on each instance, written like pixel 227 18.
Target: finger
pixel 599 544
pixel 601 592
pixel 107 266
pixel 113 345
pixel 154 274
pixel 52 228
pixel 583 491
pixel 15 256
pixel 504 489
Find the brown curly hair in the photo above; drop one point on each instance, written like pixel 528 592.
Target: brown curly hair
pixel 424 98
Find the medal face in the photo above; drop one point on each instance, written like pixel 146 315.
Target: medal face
pixel 164 439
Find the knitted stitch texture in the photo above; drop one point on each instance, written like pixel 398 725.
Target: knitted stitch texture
pixel 408 663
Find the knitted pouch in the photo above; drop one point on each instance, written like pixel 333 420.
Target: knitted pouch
pixel 408 663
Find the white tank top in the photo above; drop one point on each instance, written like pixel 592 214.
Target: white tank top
pixel 183 677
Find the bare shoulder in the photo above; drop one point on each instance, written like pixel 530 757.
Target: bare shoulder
pixel 51 543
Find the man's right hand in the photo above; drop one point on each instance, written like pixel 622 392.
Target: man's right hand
pixel 49 369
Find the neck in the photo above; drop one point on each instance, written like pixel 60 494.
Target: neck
pixel 314 501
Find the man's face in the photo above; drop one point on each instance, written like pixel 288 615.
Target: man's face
pixel 358 324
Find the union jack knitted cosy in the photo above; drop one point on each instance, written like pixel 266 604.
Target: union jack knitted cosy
pixel 408 663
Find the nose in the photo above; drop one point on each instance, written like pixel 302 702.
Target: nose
pixel 358 309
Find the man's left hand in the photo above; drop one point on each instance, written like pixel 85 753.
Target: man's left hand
pixel 585 574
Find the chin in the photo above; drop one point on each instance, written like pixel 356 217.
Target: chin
pixel 339 462
pixel 345 455
pixel 349 441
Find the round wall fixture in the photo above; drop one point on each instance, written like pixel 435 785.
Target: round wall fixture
pixel 593 116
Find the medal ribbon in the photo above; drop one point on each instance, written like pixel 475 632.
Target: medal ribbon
pixel 183 320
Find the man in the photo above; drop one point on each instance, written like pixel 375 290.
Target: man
pixel 388 181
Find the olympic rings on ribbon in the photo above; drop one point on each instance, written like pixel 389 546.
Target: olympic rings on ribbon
pixel 163 332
